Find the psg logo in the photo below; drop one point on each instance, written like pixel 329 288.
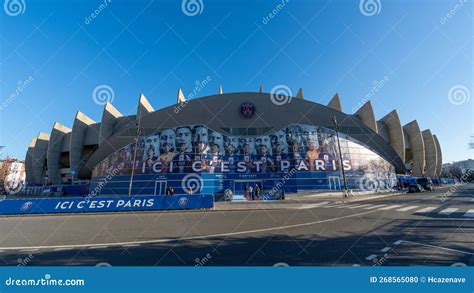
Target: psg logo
pixel 247 110
pixel 183 202
pixel 26 206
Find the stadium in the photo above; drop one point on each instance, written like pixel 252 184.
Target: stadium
pixel 225 143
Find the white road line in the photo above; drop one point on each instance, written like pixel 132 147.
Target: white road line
pixel 397 242
pixel 360 206
pixel 448 211
pixel 371 257
pixel 374 207
pixel 390 207
pixel 469 213
pixel 198 237
pixel 98 247
pixel 426 210
pixel 407 208
pixel 63 248
pixel 385 249
pixel 310 206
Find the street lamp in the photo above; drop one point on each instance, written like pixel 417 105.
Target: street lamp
pixel 336 127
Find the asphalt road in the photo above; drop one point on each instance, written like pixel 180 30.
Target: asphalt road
pixel 432 228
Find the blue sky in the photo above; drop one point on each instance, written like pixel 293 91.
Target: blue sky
pixel 422 49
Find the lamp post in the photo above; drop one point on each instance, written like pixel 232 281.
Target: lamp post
pixel 336 127
pixel 137 136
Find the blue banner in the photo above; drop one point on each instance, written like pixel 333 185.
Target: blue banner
pixel 105 204
pixel 231 279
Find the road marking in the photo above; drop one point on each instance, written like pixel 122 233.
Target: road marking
pixel 374 207
pixel 321 203
pixel 371 257
pixel 390 207
pixel 469 213
pixel 439 247
pixel 448 211
pixel 397 242
pixel 63 248
pixel 313 205
pixel 198 237
pixel 360 206
pixel 426 210
pixel 98 247
pixel 385 249
pixel 407 208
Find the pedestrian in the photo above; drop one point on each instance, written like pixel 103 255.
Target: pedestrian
pixel 251 192
pixel 257 191
pixel 190 190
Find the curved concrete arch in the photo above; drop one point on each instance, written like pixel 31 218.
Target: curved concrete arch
pixel 392 125
pixel 226 111
pixel 39 157
pixel 30 179
pixel 367 116
pixel 439 156
pixel 108 122
pixel 431 157
pixel 53 155
pixel 79 129
pixel 335 103
pixel 417 147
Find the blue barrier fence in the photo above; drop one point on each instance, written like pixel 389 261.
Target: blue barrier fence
pixel 105 204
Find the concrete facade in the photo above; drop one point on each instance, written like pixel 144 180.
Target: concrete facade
pixel 431 154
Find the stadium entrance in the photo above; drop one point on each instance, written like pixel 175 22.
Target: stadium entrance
pixel 160 187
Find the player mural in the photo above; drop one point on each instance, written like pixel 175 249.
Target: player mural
pixel 196 148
